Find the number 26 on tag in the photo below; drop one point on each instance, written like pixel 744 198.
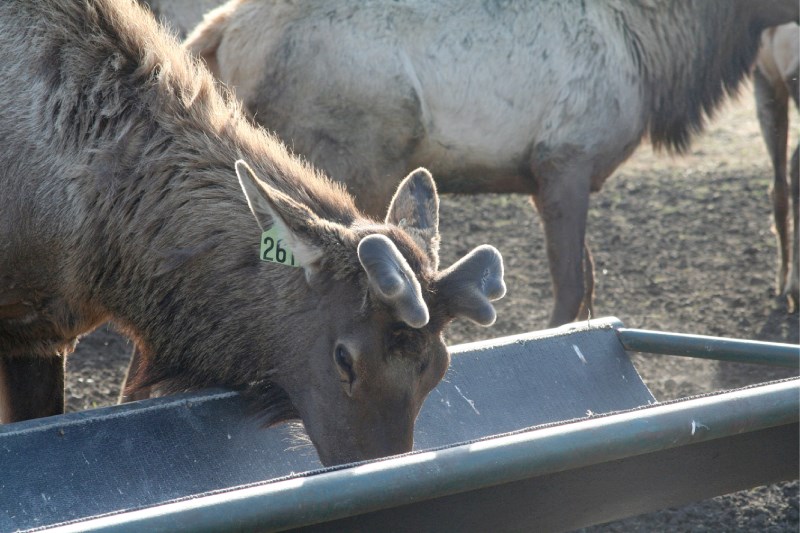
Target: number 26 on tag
pixel 274 249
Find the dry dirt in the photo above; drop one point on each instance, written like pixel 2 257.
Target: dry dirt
pixel 680 244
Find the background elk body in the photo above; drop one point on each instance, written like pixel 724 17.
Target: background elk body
pixel 119 201
pixel 538 97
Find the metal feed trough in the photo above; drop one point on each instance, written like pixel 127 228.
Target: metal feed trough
pixel 544 431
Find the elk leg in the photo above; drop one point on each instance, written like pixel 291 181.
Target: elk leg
pixel 793 281
pixel 129 392
pixel 772 106
pixel 587 308
pixel 33 387
pixel 562 200
pixel 5 399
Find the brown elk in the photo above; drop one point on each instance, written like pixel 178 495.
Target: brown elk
pixel 534 97
pixel 776 82
pixel 119 201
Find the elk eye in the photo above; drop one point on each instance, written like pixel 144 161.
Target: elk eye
pixel 345 363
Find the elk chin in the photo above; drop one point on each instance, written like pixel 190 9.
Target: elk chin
pixel 333 449
pixel 324 427
pixel 354 452
pixel 334 457
pixel 340 441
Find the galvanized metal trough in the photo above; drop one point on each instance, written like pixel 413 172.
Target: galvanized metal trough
pixel 545 431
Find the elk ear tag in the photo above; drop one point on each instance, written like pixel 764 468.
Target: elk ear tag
pixel 273 249
pixel 290 231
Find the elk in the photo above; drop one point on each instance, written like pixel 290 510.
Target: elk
pixel 776 81
pixel 133 190
pixel 535 97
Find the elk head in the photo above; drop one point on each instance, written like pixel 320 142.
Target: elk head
pixel 370 315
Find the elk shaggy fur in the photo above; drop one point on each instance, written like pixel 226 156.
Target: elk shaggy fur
pixel 540 97
pixel 119 201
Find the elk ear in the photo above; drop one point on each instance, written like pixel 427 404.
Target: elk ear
pixel 295 223
pixel 415 208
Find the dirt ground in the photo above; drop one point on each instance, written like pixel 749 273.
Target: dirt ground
pixel 680 244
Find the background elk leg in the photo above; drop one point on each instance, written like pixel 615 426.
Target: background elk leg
pixel 587 310
pixel 793 283
pixel 562 200
pixel 772 106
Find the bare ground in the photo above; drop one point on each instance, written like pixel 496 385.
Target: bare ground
pixel 680 244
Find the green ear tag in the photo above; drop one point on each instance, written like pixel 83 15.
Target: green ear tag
pixel 274 250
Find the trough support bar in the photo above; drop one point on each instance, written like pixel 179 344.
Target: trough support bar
pixel 719 348
pixel 603 442
pixel 581 497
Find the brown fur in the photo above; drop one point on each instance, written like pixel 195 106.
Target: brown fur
pixel 119 201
